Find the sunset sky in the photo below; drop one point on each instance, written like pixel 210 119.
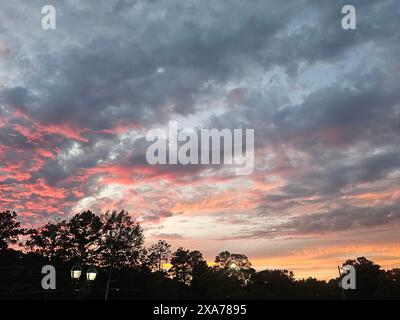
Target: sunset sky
pixel 77 102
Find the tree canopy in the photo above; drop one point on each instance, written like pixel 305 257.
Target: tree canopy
pixel 9 229
pixel 115 241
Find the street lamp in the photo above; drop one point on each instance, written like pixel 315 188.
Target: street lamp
pixel 91 274
pixel 76 272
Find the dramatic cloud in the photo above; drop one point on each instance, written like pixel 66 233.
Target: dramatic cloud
pixel 77 102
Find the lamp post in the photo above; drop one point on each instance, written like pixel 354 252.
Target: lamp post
pixel 91 274
pixel 107 294
pixel 76 272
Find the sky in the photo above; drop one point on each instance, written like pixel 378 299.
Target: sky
pixel 77 102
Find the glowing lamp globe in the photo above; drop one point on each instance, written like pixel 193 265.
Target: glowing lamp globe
pixel 76 272
pixel 91 274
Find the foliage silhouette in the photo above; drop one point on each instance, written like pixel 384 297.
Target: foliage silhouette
pixel 50 241
pixel 84 231
pixel 9 229
pixel 121 240
pixel 158 254
pixel 114 242
pixel 187 265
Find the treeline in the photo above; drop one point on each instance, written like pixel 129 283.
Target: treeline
pixel 113 241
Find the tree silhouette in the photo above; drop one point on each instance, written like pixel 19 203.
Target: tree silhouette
pixel 113 242
pixel 9 229
pixel 198 264
pixel 50 241
pixel 217 284
pixel 392 285
pixel 158 254
pixel 225 260
pixel 234 264
pixel 368 276
pixel 273 278
pixel 187 265
pixel 273 283
pixel 181 268
pixel 84 236
pixel 121 240
pixel 394 275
